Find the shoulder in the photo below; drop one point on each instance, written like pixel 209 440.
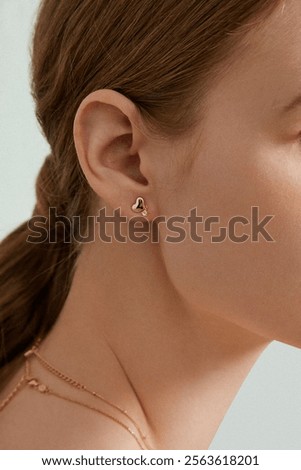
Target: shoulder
pixel 33 421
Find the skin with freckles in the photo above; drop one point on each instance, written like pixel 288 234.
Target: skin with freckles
pixel 169 331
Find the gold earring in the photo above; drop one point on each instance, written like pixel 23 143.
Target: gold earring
pixel 140 206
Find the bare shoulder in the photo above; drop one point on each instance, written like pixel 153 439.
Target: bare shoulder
pixel 34 421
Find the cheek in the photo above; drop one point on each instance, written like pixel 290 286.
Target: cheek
pixel 257 285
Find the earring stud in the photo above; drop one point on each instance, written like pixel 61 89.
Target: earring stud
pixel 140 206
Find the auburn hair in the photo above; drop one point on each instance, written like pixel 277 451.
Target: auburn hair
pixel 162 55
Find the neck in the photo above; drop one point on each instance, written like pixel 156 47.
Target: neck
pixel 127 334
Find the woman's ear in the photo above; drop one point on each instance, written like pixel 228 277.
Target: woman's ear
pixel 109 145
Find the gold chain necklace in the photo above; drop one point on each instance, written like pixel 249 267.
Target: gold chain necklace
pixel 34 383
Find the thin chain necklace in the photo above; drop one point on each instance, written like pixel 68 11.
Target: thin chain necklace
pixel 34 383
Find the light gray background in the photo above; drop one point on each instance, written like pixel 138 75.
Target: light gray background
pixel 266 413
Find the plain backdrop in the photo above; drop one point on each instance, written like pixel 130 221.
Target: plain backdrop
pixel 266 413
